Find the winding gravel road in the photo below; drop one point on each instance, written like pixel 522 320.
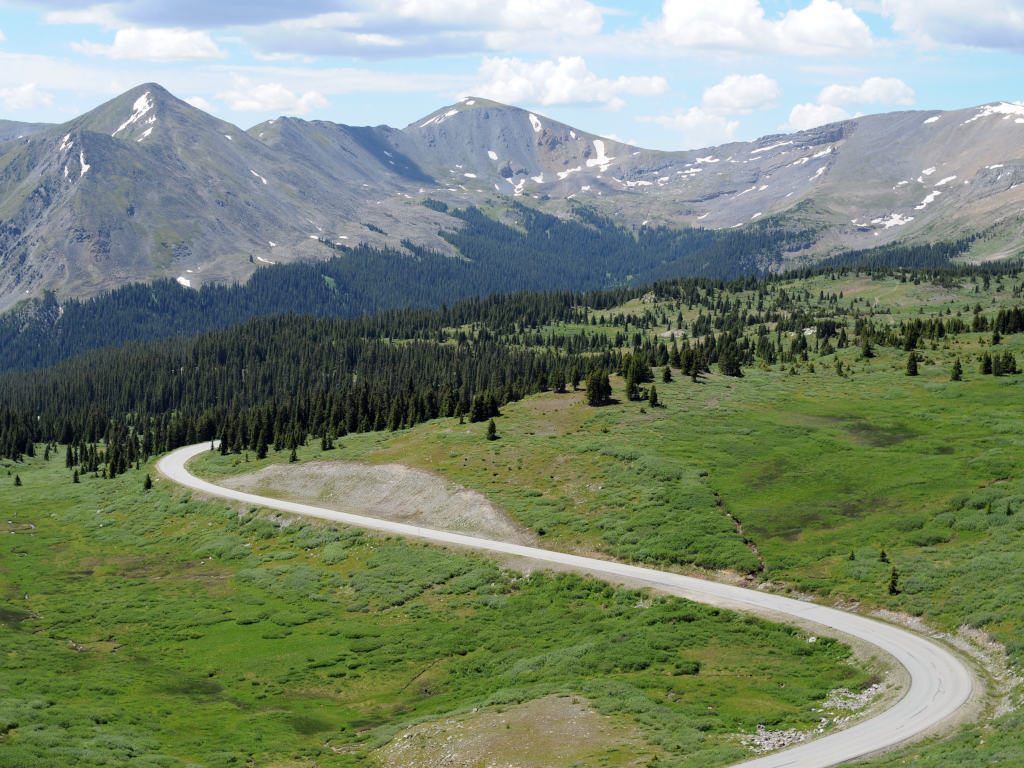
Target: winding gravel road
pixel 940 684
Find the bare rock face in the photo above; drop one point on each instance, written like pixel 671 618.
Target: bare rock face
pixel 148 186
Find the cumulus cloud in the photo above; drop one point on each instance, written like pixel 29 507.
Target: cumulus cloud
pixel 741 94
pixel 823 27
pixel 167 44
pixel 890 91
pixel 982 23
pixel 25 96
pixel 874 90
pixel 699 128
pixel 804 116
pixel 200 103
pixel 247 96
pixel 565 81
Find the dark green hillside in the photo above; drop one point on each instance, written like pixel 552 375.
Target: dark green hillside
pixel 543 253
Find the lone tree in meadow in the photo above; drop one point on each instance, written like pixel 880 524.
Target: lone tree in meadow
pixel 958 371
pixel 894 582
pixel 866 350
pixel 912 364
pixel 599 389
pixel 492 430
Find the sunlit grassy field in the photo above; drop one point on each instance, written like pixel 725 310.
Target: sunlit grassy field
pixel 147 628
pixel 822 471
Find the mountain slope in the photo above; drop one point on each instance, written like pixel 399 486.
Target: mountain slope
pixel 148 186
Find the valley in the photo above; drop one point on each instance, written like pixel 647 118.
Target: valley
pixel 824 470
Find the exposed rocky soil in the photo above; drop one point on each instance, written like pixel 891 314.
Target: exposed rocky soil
pixel 388 491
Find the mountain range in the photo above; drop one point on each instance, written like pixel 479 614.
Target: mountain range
pixel 148 186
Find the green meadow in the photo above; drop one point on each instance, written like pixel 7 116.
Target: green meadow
pixel 150 628
pixel 822 476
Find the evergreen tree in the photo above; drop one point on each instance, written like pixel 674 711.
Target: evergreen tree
pixel 17 481
pixel 666 375
pixel 74 477
pixel 147 483
pixel 894 582
pixel 558 379
pixel 958 371
pixel 293 457
pixel 986 364
pixel 599 389
pixel 912 364
pixel 492 430
pixel 652 397
pixel 866 350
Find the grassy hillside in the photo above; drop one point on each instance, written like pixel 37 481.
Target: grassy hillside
pixel 145 627
pixel 802 474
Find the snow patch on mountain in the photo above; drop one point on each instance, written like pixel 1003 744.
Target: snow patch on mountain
pixel 929 198
pixel 81 162
pixel 492 154
pixel 141 106
pixel 535 122
pixel 602 159
pixel 1004 108
pixel 773 146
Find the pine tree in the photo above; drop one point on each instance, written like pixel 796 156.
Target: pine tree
pixel 293 457
pixel 147 483
pixel 866 350
pixel 894 581
pixel 986 364
pixel 492 430
pixel 666 375
pixel 74 478
pixel 912 364
pixel 17 481
pixel 599 389
pixel 958 371
pixel 652 397
pixel 882 557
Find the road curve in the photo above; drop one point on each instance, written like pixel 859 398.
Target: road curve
pixel 940 683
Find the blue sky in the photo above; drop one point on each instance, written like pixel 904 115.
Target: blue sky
pixel 667 74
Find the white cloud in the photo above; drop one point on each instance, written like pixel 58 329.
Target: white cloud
pixel 98 15
pixel 2 36
pixel 823 27
pixel 980 23
pixel 804 116
pixel 874 90
pixel 25 96
pixel 389 28
pixel 741 94
pixel 270 97
pixel 171 44
pixel 698 127
pixel 200 103
pixel 565 81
